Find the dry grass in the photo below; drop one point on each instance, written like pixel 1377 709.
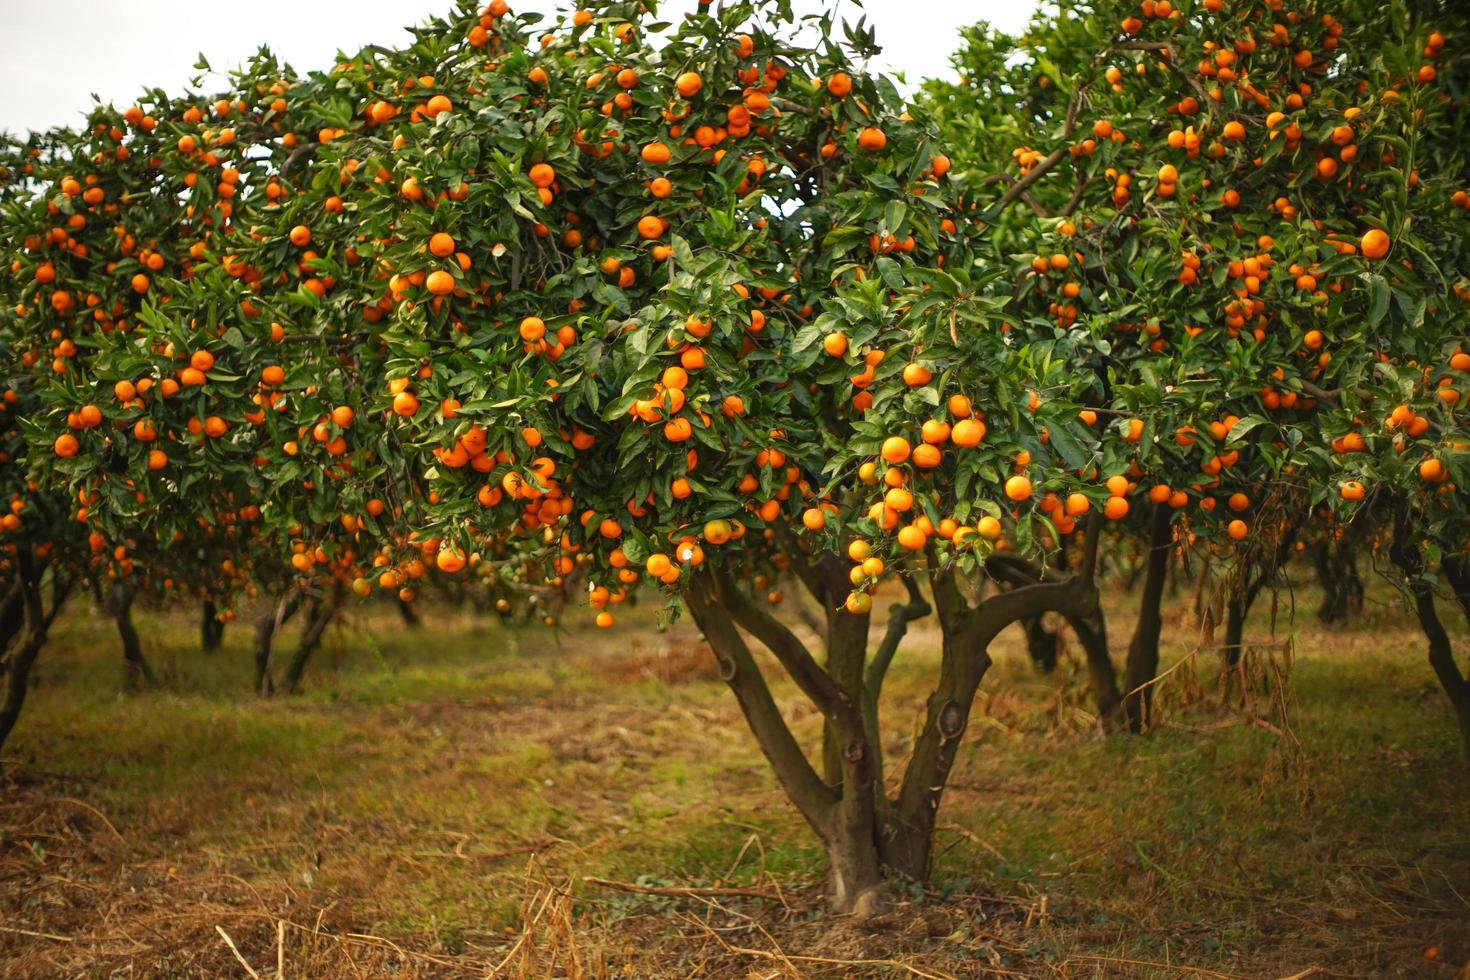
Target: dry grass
pixel 436 802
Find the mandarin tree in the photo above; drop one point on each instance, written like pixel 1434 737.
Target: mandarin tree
pixel 1248 220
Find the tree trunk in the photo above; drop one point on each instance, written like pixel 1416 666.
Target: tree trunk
pixel 908 834
pixel 409 614
pixel 266 629
pixel 857 883
pixel 864 835
pixel 1457 575
pixel 1092 632
pixel 1143 652
pixel 12 616
pixel 320 615
pixel 35 622
pixel 844 813
pixel 1087 621
pixel 1441 654
pixel 136 672
pixel 211 628
pixel 17 666
pixel 1442 660
pixel 899 616
pixel 1041 643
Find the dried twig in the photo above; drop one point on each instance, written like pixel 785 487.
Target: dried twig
pixel 969 836
pixel 97 813
pixel 38 935
pixel 679 892
pixel 235 949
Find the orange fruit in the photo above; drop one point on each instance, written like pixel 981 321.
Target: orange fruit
pixel 441 245
pixel 405 403
pixel 916 375
pixel 450 560
pixel 895 449
pixel 967 432
pixel 532 329
pixel 1018 488
pixel 688 84
pixel 1374 244
pixel 650 226
pixel 872 139
pixel 935 432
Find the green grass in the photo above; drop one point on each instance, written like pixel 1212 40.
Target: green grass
pixel 428 783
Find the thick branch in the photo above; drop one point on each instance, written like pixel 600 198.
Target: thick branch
pixel 790 651
pixel 800 781
pixel 900 614
pixel 1143 651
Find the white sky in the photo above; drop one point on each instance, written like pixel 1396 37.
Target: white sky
pixel 54 55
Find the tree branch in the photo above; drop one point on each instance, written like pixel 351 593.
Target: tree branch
pixel 814 798
pixel 790 651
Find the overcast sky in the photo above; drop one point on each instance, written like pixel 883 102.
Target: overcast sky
pixel 54 55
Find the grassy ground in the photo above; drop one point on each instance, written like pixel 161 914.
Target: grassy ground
pixel 435 801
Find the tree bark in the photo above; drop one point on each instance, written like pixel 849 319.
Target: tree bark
pixel 849 829
pixel 136 672
pixel 968 630
pixel 900 614
pixel 321 614
pixel 266 629
pixel 1092 632
pixel 1143 652
pixel 1457 576
pixel 211 628
pixel 1441 653
pixel 1442 660
pixel 12 615
pixel 16 664
pixel 812 797
pixel 409 614
pixel 836 813
pixel 1041 643
pixel 1086 619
